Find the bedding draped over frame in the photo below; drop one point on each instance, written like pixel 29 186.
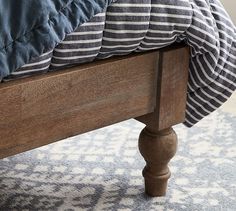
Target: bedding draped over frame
pixel 127 26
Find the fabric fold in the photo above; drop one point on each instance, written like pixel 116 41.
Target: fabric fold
pixel 29 28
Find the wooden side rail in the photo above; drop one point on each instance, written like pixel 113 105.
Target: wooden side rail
pixel 151 87
pixel 40 110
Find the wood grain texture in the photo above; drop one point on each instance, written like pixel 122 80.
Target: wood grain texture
pixel 157 148
pixel 158 141
pixel 43 109
pixel 171 89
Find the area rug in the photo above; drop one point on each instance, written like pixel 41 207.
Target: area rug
pixel 101 170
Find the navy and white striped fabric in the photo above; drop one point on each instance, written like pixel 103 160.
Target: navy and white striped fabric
pixel 139 25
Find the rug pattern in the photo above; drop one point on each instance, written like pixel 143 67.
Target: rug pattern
pixel 101 170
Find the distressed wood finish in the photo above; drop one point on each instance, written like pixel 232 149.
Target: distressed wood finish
pixel 44 109
pixel 171 89
pixel 158 141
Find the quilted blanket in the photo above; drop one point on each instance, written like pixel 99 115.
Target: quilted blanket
pixel 30 27
pixel 64 34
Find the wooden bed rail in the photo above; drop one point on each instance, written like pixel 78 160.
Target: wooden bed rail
pixel 150 87
pixel 40 110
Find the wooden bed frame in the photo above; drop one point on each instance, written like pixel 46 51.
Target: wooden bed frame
pixel 150 87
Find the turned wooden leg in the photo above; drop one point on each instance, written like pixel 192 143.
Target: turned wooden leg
pixel 157 148
pixel 158 141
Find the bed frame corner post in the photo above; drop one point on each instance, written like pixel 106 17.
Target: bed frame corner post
pixel 158 140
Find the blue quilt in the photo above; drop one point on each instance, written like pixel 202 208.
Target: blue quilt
pixel 29 28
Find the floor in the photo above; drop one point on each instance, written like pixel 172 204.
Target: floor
pixel 101 171
pixel 230 105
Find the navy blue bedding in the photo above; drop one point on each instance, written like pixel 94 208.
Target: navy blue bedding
pixel 29 28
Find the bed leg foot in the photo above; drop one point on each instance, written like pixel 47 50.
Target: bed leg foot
pixel 157 148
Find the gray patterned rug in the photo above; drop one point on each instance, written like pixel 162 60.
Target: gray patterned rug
pixel 101 170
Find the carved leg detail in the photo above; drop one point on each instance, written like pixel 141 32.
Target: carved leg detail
pixel 157 148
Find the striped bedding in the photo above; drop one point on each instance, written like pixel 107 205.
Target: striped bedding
pixel 140 25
